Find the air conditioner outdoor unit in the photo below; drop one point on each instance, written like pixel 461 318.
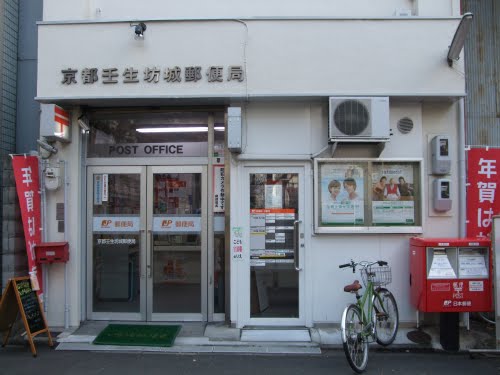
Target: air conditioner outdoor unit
pixel 359 119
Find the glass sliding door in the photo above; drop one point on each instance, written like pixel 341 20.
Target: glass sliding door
pixel 177 256
pixel 147 252
pixel 116 202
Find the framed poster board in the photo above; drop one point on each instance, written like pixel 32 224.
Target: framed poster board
pixel 19 299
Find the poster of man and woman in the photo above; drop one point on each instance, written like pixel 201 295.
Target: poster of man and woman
pixel 342 194
pixel 393 194
pixel 390 191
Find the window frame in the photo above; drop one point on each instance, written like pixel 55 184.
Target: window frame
pixel 367 183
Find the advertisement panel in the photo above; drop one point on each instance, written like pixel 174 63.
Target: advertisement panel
pixel 342 192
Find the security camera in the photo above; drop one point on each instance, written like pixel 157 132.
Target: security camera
pixel 83 122
pixel 47 147
pixel 139 30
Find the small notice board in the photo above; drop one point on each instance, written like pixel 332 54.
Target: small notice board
pixel 19 299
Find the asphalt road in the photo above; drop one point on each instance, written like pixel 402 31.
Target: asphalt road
pixel 17 360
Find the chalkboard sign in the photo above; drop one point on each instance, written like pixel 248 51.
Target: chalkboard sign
pixel 31 306
pixel 19 298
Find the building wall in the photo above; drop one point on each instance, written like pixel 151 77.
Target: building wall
pixel 8 65
pixel 482 58
pixel 11 260
pixel 292 66
pixel 28 110
pixel 157 9
pixel 302 130
pixel 19 118
pixel 281 58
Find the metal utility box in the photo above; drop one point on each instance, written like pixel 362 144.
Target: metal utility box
pixel 450 275
pixel 52 252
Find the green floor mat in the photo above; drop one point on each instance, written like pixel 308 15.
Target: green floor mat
pixel 138 335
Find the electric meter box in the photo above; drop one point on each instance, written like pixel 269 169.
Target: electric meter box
pixel 441 160
pixel 234 141
pixel 442 194
pixel 451 275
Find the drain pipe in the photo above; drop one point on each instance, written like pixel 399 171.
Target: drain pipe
pixel 43 200
pixel 66 306
pixel 462 168
pixel 462 183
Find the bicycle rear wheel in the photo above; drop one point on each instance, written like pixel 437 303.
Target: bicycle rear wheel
pixel 354 343
pixel 386 314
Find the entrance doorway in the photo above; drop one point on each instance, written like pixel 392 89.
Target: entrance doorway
pixel 148 244
pixel 275 206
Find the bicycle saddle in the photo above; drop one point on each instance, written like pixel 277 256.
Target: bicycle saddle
pixel 354 287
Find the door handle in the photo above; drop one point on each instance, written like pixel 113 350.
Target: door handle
pixel 142 238
pixel 150 260
pixel 296 236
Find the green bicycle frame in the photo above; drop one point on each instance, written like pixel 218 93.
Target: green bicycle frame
pixel 366 314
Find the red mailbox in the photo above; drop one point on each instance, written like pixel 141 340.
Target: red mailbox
pixel 451 275
pixel 52 252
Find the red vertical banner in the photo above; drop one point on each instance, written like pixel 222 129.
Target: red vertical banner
pixel 483 177
pixel 28 190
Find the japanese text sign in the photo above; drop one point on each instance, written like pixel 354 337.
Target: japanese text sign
pixel 28 191
pixel 483 179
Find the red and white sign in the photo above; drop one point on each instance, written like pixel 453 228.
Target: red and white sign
pixel 61 119
pixel 483 179
pixel 28 191
pixel 55 123
pixel 116 223
pixel 184 224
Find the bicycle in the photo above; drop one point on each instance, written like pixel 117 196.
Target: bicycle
pixel 488 317
pixel 374 316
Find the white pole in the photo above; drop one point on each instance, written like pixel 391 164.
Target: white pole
pixel 462 208
pixel 495 247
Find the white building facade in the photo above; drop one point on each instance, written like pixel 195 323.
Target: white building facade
pixel 201 190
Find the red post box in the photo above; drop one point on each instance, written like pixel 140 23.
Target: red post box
pixel 52 252
pixel 451 275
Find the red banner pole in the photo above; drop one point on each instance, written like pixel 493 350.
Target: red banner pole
pixel 483 179
pixel 26 174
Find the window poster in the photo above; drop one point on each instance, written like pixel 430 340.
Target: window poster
pixel 274 196
pixel 342 194
pixel 393 194
pixel 271 236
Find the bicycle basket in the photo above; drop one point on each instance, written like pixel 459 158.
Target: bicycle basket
pixel 379 276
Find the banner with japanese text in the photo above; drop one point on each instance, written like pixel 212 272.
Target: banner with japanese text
pixel 482 181
pixel 28 190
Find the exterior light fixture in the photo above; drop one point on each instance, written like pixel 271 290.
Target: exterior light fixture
pixel 83 122
pixel 139 29
pixel 192 129
pixel 459 38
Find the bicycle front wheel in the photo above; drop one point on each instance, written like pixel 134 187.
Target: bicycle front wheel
pixel 386 314
pixel 353 340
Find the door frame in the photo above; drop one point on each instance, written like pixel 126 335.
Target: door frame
pixel 245 316
pixel 145 310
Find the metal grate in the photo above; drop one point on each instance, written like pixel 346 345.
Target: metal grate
pixel 405 125
pixel 351 117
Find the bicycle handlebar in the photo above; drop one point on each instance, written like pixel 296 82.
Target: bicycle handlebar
pixel 363 263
